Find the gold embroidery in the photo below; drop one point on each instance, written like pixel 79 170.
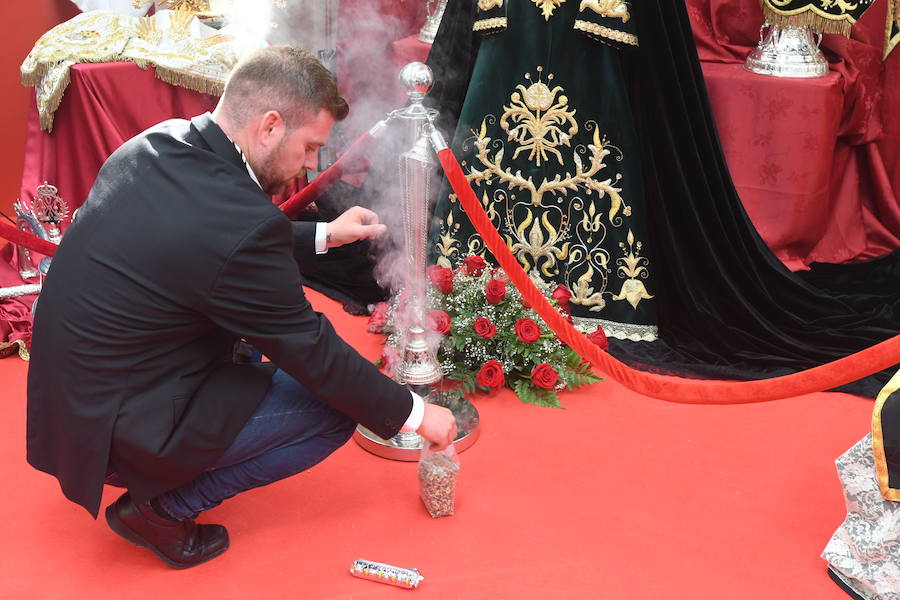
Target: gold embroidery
pixel 548 6
pixel 605 32
pixel 535 245
pixel 881 466
pixel 614 9
pixel 561 224
pixel 583 293
pixel 533 128
pixel 495 23
pixel 163 40
pixel 634 268
pixel 148 31
pixel 892 30
pixel 489 4
pixel 186 5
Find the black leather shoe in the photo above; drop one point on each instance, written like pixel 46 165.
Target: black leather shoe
pixel 179 544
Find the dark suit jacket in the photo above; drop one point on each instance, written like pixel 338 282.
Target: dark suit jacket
pixel 174 256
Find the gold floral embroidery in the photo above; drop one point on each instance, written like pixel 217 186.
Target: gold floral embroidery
pixel 489 4
pixel 633 266
pixel 540 133
pixel 615 9
pixel 548 6
pixel 560 225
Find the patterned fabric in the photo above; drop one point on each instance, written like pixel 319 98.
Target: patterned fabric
pixel 546 139
pixel 865 550
pixel 184 52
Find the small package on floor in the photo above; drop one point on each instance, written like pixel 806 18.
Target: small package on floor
pixel 437 480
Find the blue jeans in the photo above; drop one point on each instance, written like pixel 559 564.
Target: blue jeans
pixel 290 432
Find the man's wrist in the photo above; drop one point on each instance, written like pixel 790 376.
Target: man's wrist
pixel 416 414
pixel 322 238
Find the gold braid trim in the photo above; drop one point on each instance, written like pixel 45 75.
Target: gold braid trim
pixel 23 349
pixel 881 467
pixel 809 16
pixel 496 23
pixel 892 29
pixel 606 33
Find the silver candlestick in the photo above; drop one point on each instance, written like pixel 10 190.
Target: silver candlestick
pixel 419 368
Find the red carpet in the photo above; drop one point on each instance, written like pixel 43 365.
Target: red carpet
pixel 616 497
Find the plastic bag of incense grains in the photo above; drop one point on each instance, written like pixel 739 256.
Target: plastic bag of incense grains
pixel 437 480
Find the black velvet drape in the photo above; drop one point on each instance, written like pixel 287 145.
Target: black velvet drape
pixel 727 306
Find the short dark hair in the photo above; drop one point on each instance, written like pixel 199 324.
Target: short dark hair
pixel 285 79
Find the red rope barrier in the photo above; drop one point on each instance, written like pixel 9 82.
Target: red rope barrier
pixel 27 240
pixel 672 389
pixel 352 161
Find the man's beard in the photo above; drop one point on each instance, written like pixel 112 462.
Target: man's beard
pixel 270 180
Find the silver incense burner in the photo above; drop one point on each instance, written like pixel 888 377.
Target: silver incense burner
pixel 419 369
pixel 787 51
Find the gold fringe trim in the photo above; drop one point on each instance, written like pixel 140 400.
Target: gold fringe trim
pixel 23 349
pixel 606 33
pixel 191 81
pixel 809 17
pixel 881 467
pixel 496 23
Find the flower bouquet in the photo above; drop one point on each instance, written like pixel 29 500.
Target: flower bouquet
pixel 490 338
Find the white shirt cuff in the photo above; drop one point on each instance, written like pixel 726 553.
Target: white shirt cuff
pixel 321 238
pixel 414 421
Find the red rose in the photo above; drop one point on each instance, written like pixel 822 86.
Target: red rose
pixel 527 330
pixel 441 278
pixel 562 295
pixel 543 375
pixel 490 375
pixel 439 321
pixel 495 291
pixel 599 338
pixel 378 319
pixel 484 328
pixel 473 265
pixel 500 275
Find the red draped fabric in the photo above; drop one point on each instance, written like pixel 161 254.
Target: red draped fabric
pixel 816 162
pixel 366 74
pixel 104 105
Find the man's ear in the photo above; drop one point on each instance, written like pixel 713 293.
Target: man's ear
pixel 271 129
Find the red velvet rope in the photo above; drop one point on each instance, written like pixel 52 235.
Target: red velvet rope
pixel 353 160
pixel 27 240
pixel 672 389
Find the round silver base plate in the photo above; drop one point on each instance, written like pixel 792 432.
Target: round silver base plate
pixel 407 446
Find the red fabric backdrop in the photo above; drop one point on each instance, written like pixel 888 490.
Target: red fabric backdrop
pixel 817 162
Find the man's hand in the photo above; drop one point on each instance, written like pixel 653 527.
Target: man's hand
pixel 356 223
pixel 438 426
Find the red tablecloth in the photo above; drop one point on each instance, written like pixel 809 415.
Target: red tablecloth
pixel 816 161
pixel 104 106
